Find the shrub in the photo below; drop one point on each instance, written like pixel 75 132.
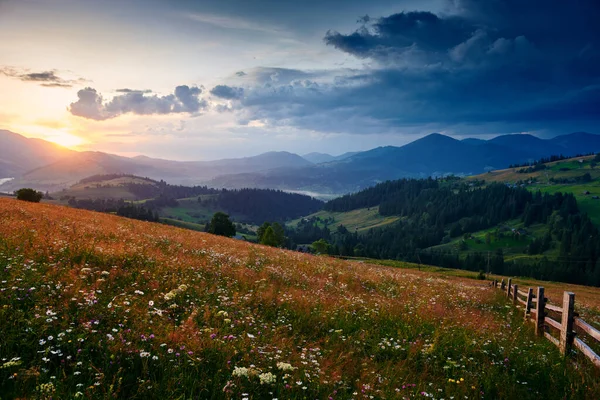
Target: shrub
pixel 28 194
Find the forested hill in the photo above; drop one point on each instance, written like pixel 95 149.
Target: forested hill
pixel 262 205
pixel 147 199
pixel 565 244
pixel 390 192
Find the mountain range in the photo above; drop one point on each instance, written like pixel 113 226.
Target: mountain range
pixel 433 155
pixel 49 167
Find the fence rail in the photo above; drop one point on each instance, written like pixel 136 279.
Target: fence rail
pixel 536 308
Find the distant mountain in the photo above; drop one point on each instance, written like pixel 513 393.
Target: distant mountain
pixel 433 155
pixel 19 154
pixel 534 147
pixel 320 158
pixel 48 167
pixel 578 143
pixel 474 141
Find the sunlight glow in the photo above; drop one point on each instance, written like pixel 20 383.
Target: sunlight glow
pixel 65 139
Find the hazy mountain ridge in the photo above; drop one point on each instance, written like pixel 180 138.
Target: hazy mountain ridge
pixel 432 155
pixel 19 154
pixel 46 166
pixel 321 158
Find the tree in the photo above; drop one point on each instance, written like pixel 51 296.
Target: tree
pixel 268 238
pixel 260 232
pixel 279 234
pixel 221 225
pixel 275 238
pixel 28 194
pixel 321 246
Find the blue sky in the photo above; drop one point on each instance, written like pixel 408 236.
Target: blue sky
pixel 190 80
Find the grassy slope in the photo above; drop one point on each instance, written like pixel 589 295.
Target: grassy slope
pixel 575 168
pixel 110 307
pixel 362 219
pixel 512 248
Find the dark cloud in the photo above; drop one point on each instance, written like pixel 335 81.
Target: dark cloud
pixel 397 34
pixel 44 78
pixel 91 105
pixel 483 62
pixel 227 92
pixel 240 73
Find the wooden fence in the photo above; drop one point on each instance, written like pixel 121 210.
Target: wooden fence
pixel 536 309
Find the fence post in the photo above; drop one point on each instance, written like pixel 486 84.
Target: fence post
pixel 515 293
pixel 540 312
pixel 508 287
pixel 528 303
pixel 502 285
pixel 566 327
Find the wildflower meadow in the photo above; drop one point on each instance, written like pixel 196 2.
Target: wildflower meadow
pixel 95 306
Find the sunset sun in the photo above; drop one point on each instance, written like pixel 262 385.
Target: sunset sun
pixel 65 139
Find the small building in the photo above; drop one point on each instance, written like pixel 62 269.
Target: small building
pixel 586 193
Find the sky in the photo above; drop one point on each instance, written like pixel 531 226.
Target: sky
pixel 202 80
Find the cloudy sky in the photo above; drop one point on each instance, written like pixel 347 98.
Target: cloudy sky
pixel 208 79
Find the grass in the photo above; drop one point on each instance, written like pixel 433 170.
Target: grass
pixel 362 219
pixel 96 306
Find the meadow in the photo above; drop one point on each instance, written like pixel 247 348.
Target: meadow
pixel 360 220
pixel 97 306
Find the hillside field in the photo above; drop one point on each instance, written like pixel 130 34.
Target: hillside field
pixel 564 169
pixel 97 306
pixel 360 220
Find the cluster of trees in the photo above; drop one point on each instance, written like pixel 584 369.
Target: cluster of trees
pixel 221 225
pixel 258 205
pixel 138 212
pixel 117 206
pixel 386 192
pixel 271 234
pixel 100 205
pixel 165 190
pixel 307 231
